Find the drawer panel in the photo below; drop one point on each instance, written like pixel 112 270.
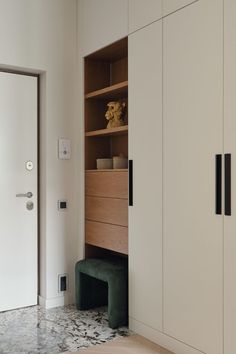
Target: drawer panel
pixel 107 184
pixel 109 210
pixel 107 236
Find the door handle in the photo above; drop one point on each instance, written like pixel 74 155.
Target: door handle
pixel 25 195
pixel 227 184
pixel 130 182
pixel 218 184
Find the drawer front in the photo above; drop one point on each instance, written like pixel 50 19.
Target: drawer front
pixel 107 184
pixel 108 210
pixel 107 236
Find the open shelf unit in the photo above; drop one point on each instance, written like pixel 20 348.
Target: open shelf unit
pixel 106 191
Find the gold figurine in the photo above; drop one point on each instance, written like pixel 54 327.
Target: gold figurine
pixel 114 114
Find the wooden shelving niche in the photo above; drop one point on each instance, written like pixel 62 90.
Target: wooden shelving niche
pixel 106 191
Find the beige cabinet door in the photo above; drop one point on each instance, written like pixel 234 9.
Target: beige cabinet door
pixel 193 121
pixel 230 147
pixel 101 23
pixel 170 6
pixel 142 13
pixel 145 149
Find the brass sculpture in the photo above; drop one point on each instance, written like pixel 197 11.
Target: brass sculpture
pixel 114 114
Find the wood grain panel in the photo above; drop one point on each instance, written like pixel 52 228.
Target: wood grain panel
pixel 123 130
pixel 107 236
pixel 109 210
pixel 129 345
pixel 107 184
pixel 113 52
pixel 98 69
pixel 94 149
pixel 119 70
pixel 95 114
pixel 119 145
pixel 116 90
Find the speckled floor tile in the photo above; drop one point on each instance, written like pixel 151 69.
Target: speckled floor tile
pixel 63 329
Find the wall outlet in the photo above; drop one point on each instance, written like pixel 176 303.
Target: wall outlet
pixel 62 283
pixel 62 205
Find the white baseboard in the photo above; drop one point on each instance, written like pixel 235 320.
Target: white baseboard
pixel 61 300
pixel 160 338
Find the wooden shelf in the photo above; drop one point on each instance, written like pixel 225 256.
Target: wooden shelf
pixel 114 91
pixel 108 131
pixel 109 170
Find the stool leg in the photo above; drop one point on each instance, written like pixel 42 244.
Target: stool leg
pixel 79 290
pixel 118 302
pixel 90 292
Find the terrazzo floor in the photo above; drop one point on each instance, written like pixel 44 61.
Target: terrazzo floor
pixel 63 329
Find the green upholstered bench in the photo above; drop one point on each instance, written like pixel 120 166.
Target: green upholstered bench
pixel 100 282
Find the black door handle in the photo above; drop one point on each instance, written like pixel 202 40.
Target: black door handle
pixel 218 184
pixel 130 182
pixel 227 184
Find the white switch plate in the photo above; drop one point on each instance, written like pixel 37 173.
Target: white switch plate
pixel 64 149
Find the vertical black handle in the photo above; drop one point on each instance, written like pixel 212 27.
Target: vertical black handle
pixel 227 184
pixel 218 184
pixel 130 182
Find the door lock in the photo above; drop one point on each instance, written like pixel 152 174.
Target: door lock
pixel 29 205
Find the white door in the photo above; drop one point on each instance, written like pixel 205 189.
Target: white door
pixel 145 148
pixel 193 135
pixel 18 223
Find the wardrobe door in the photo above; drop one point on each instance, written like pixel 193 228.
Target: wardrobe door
pixel 145 149
pixel 142 13
pixel 174 5
pixel 193 135
pixel 230 147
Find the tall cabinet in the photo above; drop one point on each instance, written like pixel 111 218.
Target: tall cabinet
pixel 181 139
pixel 193 136
pixel 145 148
pixel 230 147
pixel 176 231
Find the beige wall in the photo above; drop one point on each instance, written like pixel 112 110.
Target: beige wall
pixel 40 36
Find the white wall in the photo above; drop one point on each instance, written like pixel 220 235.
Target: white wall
pixel 40 36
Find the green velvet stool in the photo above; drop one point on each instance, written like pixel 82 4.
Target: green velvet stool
pixel 100 282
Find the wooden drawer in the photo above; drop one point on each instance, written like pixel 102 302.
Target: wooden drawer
pixel 109 210
pixel 107 236
pixel 107 184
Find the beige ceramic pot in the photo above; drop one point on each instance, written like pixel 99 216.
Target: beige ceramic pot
pixel 120 162
pixel 104 164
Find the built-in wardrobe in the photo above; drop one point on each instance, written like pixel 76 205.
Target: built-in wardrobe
pixel 182 144
pixel 182 140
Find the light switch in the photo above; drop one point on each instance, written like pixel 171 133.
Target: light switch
pixel 64 149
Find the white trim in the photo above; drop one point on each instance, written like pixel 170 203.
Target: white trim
pixel 54 302
pixel 160 338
